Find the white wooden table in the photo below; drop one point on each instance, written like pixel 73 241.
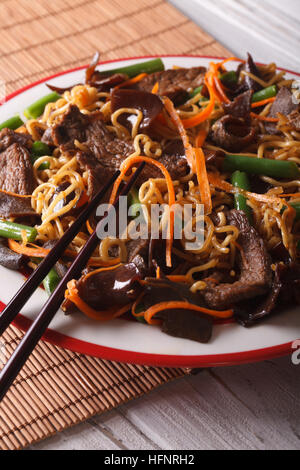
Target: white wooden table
pixel 255 406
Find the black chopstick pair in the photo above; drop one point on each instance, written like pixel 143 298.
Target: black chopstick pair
pixel 38 327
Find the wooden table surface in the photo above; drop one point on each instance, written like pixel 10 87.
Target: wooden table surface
pixel 254 406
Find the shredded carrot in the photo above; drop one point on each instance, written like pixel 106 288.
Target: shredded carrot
pixel 201 137
pixel 296 195
pixel 26 250
pixel 158 272
pixel 152 311
pixel 131 81
pixel 216 181
pixel 179 278
pixel 126 164
pixel 203 180
pixel 264 118
pixel 182 132
pixel 72 295
pixel 263 102
pixel 205 113
pixel 89 227
pixel 223 98
pixel 195 157
pixel 155 88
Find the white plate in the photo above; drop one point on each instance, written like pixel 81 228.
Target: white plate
pixel 123 340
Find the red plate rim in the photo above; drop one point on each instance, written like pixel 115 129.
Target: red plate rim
pixel 120 355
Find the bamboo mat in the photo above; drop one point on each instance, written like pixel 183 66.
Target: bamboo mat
pixel 57 388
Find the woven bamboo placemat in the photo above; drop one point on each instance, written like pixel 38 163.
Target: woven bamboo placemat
pixel 57 388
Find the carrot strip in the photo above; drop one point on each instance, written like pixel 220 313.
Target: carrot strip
pixel 149 314
pixel 203 180
pixel 205 113
pixel 263 102
pixel 182 132
pixel 216 181
pixel 83 200
pixel 201 137
pixel 223 98
pixel 155 88
pixel 72 295
pixel 38 252
pixel 126 164
pixel 131 81
pixel 264 118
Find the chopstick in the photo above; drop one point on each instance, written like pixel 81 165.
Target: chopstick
pixel 25 292
pixel 35 332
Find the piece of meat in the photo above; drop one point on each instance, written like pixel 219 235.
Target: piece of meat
pixel 16 173
pixel 92 132
pixel 137 247
pixel 240 107
pixel 232 134
pixel 98 175
pixel 113 288
pixel 149 103
pixel 283 104
pixel 8 137
pixel 8 258
pixel 294 120
pixel 16 176
pixel 14 206
pixel 255 268
pixel 175 84
pixel 284 291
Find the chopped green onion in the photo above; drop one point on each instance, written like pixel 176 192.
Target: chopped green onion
pixel 240 180
pixel 264 94
pixel 151 66
pixel 36 109
pixel 229 78
pixel 12 123
pixel 51 281
pixel 14 231
pixel 261 166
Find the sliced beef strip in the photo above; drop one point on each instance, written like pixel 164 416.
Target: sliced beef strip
pixel 92 132
pixel 240 107
pixel 284 105
pixel 16 173
pixel 232 134
pixel 98 175
pixel 13 206
pixel 174 83
pixel 294 120
pixel 8 137
pixel 8 258
pixel 16 176
pixel 255 268
pixel 284 291
pixel 114 288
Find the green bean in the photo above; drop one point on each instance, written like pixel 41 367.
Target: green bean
pixel 229 78
pixel 261 166
pixel 240 180
pixel 51 281
pixel 39 149
pixel 14 231
pixel 36 109
pixel 139 309
pixel 12 123
pixel 151 66
pixel 264 94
